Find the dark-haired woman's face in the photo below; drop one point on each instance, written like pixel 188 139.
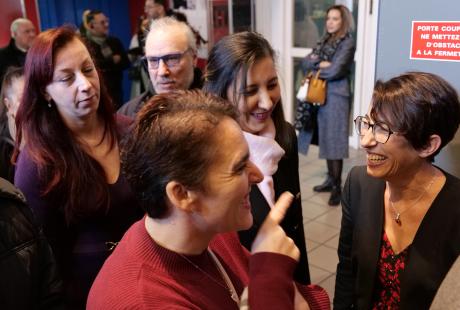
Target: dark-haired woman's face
pixel 333 21
pixel 392 160
pixel 75 88
pixel 259 98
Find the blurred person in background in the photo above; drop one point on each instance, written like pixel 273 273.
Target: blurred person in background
pixel 10 97
pixel 333 55
pixel 23 34
pixel 109 54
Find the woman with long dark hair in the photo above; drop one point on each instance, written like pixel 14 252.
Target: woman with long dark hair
pixel 241 68
pixel 334 56
pixel 69 169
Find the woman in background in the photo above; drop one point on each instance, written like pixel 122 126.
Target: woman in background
pixel 10 97
pixel 69 169
pixel 400 229
pixel 334 56
pixel 241 69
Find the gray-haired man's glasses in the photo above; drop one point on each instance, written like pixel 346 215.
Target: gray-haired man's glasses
pixel 170 60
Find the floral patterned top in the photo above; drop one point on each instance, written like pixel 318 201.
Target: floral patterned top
pixel 389 268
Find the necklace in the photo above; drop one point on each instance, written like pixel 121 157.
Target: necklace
pixel 229 285
pixel 397 214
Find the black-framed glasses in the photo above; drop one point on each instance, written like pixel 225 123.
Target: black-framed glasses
pixel 380 131
pixel 170 60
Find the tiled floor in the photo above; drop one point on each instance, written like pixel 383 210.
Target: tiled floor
pixel 322 222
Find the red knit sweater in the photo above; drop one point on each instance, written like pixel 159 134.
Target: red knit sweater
pixel 140 274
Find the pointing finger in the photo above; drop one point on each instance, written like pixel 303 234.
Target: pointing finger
pixel 280 208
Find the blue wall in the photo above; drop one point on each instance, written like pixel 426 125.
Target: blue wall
pixel 55 13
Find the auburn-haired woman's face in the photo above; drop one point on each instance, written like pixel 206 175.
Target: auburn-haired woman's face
pixel 333 21
pixel 75 88
pixel 259 98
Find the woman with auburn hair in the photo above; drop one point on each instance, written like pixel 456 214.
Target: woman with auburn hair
pixel 333 55
pixel 241 68
pixel 400 229
pixel 69 168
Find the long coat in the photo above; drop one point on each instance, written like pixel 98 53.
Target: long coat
pixel 434 249
pixel 333 117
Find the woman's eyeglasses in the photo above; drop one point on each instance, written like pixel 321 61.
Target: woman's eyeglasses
pixel 170 60
pixel 380 131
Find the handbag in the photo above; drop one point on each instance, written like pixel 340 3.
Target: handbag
pixel 313 89
pixel 316 89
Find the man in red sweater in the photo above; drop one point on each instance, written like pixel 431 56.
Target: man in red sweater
pixel 185 253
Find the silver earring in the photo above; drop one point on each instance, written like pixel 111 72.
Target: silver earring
pixel 49 104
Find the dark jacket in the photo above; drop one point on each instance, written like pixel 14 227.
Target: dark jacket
pixel 10 56
pixel 286 178
pixel 133 106
pixel 28 273
pixel 434 249
pixel 112 72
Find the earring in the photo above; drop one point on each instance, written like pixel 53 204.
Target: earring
pixel 49 104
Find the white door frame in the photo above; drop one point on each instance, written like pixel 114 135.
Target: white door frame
pixel 274 21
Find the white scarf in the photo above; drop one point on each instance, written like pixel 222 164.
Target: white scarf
pixel 265 153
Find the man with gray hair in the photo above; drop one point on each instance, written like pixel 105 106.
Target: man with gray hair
pixel 170 57
pixel 14 54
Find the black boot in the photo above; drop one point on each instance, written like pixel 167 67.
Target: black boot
pixel 336 191
pixel 327 185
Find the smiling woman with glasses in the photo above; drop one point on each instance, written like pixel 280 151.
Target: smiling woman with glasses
pixel 401 222
pixel 380 131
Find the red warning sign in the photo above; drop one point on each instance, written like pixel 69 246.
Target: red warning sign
pixel 437 40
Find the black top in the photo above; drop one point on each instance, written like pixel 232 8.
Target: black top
pixel 286 178
pixel 434 249
pixel 112 72
pixel 10 56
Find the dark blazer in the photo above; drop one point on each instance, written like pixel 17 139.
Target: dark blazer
pixel 435 247
pixel 286 178
pixel 10 55
pixel 112 72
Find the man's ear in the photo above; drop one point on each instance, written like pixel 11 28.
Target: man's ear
pixel 181 197
pixel 434 143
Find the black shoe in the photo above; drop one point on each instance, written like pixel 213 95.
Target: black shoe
pixel 336 192
pixel 325 187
